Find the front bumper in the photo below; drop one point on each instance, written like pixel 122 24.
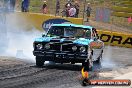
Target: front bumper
pixel 61 56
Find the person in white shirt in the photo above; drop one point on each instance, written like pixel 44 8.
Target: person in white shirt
pixel 72 11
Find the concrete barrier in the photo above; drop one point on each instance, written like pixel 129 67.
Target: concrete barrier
pixel 38 20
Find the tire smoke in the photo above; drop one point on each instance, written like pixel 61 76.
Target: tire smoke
pixel 107 61
pixel 16 40
pixel 21 44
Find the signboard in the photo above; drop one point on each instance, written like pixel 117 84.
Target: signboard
pixel 46 24
pixel 102 14
pixel 116 38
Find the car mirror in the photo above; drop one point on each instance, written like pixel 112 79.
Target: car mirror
pixel 43 35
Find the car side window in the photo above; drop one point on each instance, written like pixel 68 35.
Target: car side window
pixel 88 33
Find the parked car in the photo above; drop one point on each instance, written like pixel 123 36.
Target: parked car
pixel 69 43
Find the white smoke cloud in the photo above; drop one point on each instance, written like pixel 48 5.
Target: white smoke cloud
pixel 21 44
pixel 107 58
pixel 19 40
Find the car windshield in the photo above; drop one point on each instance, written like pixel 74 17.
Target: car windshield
pixel 69 31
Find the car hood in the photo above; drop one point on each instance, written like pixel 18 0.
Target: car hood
pixel 81 41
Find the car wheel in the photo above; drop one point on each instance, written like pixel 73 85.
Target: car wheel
pixel 88 65
pixel 39 61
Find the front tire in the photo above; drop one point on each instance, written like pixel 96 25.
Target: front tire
pixel 39 61
pixel 88 65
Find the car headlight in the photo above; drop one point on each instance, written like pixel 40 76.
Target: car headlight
pixel 39 46
pixel 82 49
pixel 74 48
pixel 47 46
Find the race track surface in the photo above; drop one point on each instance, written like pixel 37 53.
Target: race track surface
pixel 16 73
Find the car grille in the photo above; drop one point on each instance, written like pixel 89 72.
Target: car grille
pixel 67 47
pixel 55 46
pixel 61 47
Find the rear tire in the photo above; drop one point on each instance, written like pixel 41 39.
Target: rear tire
pixel 39 61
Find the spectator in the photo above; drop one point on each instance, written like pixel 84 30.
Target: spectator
pixel 68 4
pixel 25 5
pixel 63 12
pixel 77 8
pixel 57 7
pixel 67 10
pixel 88 11
pixel 72 11
pixel 44 8
pixel 22 6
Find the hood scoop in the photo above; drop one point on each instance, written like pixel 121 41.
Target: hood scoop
pixel 62 40
pixel 69 40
